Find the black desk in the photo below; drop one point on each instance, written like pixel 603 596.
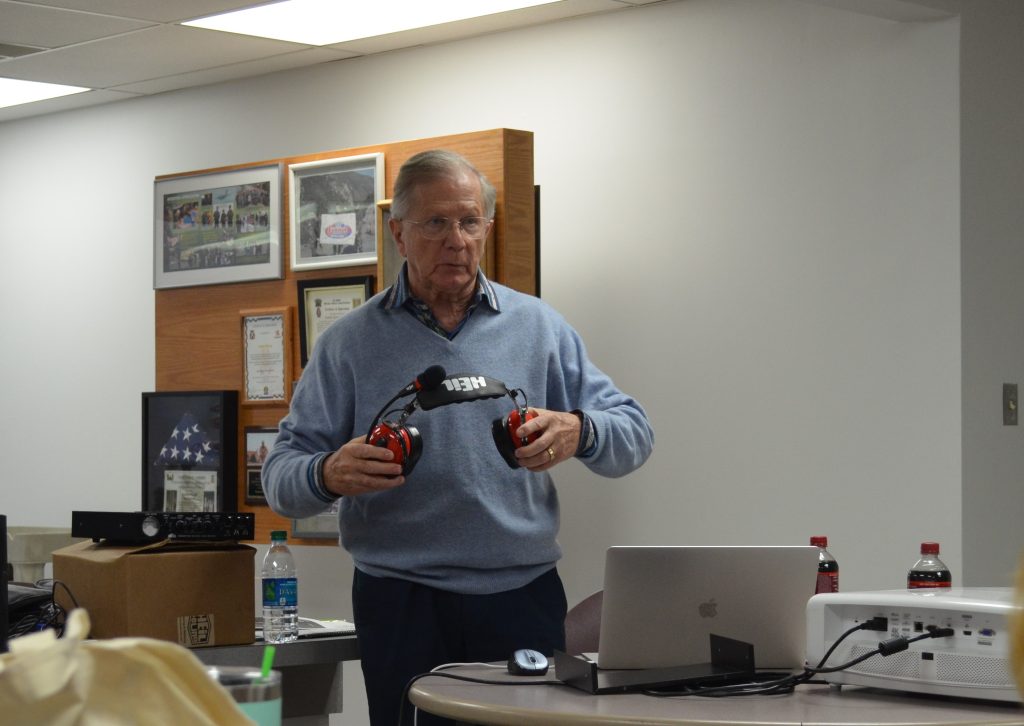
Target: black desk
pixel 809 705
pixel 311 670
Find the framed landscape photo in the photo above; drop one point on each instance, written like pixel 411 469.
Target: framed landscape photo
pixel 321 302
pixel 334 211
pixel 258 442
pixel 218 227
pixel 189 451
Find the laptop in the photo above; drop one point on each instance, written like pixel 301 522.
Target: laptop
pixel 662 604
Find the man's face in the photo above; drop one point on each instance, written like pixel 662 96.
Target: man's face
pixel 444 268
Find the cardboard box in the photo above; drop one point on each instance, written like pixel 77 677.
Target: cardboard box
pixel 192 593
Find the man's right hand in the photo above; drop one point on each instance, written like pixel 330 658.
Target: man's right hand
pixel 358 467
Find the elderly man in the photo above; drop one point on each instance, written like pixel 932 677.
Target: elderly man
pixel 454 559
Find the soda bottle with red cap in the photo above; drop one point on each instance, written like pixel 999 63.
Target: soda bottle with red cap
pixel 828 568
pixel 929 571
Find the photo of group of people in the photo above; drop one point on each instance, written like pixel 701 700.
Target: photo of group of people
pixel 221 227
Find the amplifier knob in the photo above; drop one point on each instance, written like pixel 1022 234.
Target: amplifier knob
pixel 150 526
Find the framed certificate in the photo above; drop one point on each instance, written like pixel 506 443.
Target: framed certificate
pixel 321 302
pixel 266 345
pixel 189 451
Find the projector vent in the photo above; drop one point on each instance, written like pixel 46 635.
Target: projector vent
pixel 951 668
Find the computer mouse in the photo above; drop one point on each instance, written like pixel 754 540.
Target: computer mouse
pixel 526 662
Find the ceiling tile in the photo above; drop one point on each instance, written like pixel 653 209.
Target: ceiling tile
pixel 234 71
pixel 64 103
pixel 51 28
pixel 161 11
pixel 157 52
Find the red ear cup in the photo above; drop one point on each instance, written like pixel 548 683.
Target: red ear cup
pixel 505 434
pixel 404 442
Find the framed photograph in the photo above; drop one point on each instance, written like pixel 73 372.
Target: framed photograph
pixel 319 526
pixel 334 211
pixel 258 442
pixel 217 228
pixel 266 346
pixel 389 262
pixel 321 302
pixel 189 451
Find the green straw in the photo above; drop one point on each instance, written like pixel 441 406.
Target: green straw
pixel 268 661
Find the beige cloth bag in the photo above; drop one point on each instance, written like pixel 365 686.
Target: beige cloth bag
pixel 71 681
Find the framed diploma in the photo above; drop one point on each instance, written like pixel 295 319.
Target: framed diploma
pixel 321 302
pixel 266 345
pixel 189 451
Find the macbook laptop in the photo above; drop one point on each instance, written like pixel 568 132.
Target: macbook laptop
pixel 662 604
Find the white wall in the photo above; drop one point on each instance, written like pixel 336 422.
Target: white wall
pixel 993 297
pixel 750 212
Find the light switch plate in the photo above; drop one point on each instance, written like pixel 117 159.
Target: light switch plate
pixel 1010 404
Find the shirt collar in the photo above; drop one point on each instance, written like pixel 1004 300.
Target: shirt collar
pixel 399 293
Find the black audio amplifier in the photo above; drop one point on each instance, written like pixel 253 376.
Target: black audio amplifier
pixel 143 527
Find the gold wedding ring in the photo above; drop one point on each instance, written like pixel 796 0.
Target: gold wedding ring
pixel 551 454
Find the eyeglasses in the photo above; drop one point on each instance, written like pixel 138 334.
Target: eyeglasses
pixel 435 228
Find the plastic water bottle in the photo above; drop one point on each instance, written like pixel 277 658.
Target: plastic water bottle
pixel 280 592
pixel 929 571
pixel 828 568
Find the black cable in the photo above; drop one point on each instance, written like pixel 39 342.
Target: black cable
pixel 48 615
pixel 789 683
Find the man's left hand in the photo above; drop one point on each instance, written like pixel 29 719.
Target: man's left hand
pixel 559 435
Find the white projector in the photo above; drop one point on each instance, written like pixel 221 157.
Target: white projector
pixel 971 663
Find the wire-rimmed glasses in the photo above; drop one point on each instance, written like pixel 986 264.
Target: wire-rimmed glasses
pixel 435 228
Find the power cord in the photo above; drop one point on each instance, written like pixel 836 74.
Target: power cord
pixel 48 615
pixel 788 683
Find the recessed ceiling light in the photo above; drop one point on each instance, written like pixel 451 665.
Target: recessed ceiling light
pixel 14 92
pixel 324 22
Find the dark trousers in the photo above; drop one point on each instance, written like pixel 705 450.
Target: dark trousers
pixel 406 629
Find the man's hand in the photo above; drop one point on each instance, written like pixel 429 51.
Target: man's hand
pixel 559 435
pixel 358 467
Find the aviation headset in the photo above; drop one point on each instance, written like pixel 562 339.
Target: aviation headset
pixel 405 442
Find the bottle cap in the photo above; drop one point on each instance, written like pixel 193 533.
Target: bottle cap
pixel 278 534
pixel 929 548
pixel 819 540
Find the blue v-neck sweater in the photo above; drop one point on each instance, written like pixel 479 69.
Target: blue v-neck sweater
pixel 463 521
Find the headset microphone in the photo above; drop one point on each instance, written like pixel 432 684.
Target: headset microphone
pixel 404 441
pixel 428 380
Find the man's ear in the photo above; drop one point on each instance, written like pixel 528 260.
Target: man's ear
pixel 395 225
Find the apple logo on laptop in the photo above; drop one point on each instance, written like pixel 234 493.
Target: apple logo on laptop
pixel 708 609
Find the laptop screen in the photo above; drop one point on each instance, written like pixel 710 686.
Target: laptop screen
pixel 662 603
